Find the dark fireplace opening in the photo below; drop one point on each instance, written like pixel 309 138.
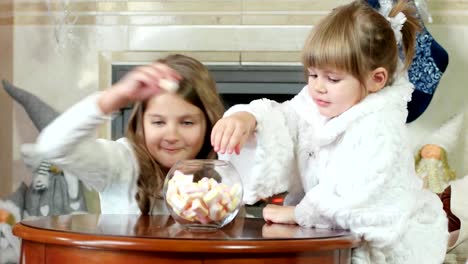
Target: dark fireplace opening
pixel 237 84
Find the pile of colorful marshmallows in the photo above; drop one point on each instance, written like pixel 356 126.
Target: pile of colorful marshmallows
pixel 204 201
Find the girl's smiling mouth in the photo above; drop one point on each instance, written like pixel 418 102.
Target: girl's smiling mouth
pixel 320 102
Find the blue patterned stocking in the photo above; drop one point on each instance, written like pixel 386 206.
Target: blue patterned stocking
pixel 425 72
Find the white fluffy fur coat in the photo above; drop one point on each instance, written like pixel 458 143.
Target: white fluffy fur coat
pixel 355 172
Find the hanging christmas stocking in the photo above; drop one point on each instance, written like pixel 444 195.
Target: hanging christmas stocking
pixel 429 63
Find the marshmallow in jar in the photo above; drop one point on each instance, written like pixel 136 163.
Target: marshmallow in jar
pixel 203 193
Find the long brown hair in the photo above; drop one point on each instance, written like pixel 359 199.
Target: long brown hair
pixel 357 39
pixel 196 87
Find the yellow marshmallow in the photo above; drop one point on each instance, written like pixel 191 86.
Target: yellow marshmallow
pixel 177 202
pixel 217 212
pixel 204 185
pixel 225 197
pixel 190 187
pixel 195 195
pixel 235 190
pixel 212 196
pixel 233 204
pixel 213 183
pixel 188 215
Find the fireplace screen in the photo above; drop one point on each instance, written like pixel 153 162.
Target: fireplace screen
pixel 237 84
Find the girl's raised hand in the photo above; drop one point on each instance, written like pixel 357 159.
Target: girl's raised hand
pixel 139 84
pixel 230 133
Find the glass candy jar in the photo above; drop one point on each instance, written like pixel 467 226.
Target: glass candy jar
pixel 203 194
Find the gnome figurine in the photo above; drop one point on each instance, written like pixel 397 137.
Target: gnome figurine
pixel 433 167
pixel 52 190
pixel 431 161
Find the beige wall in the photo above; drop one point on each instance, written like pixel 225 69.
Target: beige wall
pixel 6 71
pixel 61 59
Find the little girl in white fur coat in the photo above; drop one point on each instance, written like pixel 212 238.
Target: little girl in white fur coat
pixel 340 147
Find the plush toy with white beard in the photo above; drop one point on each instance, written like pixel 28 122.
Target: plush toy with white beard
pixel 433 167
pixel 432 160
pixel 52 191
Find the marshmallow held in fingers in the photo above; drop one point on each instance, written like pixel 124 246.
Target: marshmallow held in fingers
pixel 169 85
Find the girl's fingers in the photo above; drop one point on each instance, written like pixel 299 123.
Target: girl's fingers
pixel 236 137
pixel 142 86
pixel 269 213
pixel 144 81
pixel 217 134
pixel 241 144
pixel 229 135
pixel 237 149
pixel 213 133
pixel 134 80
pixel 154 74
pixel 166 71
pixel 226 137
pixel 279 214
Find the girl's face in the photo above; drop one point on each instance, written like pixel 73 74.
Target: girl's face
pixel 334 92
pixel 174 129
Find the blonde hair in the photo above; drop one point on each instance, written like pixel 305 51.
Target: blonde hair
pixel 196 87
pixel 356 39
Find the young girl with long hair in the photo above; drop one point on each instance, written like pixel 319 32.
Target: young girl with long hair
pixel 164 127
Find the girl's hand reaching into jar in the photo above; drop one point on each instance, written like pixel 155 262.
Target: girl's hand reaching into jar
pixel 230 133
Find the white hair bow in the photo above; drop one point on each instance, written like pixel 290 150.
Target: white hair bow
pixel 397 24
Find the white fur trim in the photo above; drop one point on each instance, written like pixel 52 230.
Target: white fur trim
pixel 448 133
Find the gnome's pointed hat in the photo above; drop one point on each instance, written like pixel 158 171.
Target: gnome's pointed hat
pixel 40 113
pixel 448 133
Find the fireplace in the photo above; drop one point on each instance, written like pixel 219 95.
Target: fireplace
pixel 237 84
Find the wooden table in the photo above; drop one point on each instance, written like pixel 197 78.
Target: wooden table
pixel 158 239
